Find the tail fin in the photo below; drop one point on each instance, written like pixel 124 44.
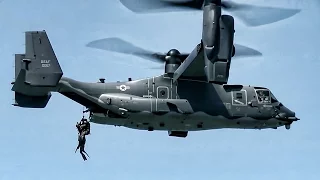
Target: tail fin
pixel 37 72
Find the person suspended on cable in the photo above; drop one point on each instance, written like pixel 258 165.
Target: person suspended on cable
pixel 83 129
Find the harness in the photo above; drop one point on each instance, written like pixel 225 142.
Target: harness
pixel 84 126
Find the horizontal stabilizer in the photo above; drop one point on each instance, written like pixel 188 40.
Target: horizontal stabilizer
pixel 31 101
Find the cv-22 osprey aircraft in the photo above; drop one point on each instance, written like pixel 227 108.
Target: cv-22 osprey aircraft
pixel 192 94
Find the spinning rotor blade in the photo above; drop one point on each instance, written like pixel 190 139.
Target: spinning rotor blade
pixel 244 51
pixel 121 46
pixel 251 15
pixel 152 6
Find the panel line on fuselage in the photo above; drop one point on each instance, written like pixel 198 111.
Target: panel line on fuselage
pixel 148 87
pixel 153 85
pixel 156 104
pixel 171 87
pixel 184 79
pixel 176 89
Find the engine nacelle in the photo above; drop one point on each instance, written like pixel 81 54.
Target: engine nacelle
pixel 217 67
pixel 226 50
pixel 172 61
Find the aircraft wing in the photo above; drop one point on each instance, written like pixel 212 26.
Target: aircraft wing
pixel 192 67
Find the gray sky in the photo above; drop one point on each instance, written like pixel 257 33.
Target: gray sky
pixel 40 143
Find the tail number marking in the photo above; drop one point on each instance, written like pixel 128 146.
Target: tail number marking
pixel 45 63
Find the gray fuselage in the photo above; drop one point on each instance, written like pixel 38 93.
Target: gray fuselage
pixel 157 103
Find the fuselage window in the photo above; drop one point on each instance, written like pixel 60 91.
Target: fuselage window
pixel 263 96
pixel 162 92
pixel 239 98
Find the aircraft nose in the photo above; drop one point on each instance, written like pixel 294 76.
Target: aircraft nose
pixel 287 114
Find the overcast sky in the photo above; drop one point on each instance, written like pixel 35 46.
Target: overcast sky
pixel 39 143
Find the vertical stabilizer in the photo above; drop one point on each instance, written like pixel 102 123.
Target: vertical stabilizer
pixel 37 72
pixel 43 68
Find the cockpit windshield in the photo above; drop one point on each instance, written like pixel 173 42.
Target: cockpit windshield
pixel 273 98
pixel 264 96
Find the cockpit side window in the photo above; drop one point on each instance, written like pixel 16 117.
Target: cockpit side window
pixel 264 96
